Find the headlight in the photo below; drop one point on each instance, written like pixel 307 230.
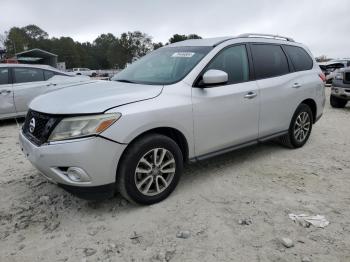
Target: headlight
pixel 339 76
pixel 74 127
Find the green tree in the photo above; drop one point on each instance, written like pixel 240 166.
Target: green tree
pixel 17 41
pixel 129 47
pixel 193 36
pixel 157 45
pixel 177 38
pixel 106 51
pixel 34 32
pixel 102 46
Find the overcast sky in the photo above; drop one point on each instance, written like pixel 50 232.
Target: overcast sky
pixel 323 25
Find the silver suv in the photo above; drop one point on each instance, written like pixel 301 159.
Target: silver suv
pixel 184 102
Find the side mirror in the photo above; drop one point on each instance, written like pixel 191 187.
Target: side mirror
pixel 214 77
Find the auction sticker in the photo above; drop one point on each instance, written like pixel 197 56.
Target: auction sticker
pixel 183 54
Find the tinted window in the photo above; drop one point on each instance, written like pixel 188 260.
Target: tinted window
pixel 269 61
pixel 300 59
pixel 23 75
pixel 234 62
pixel 4 76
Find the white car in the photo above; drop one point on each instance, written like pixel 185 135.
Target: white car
pixel 84 72
pixel 20 84
pixel 187 101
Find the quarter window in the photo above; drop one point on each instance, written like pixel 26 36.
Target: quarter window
pixel 4 76
pixel 300 59
pixel 234 61
pixel 48 74
pixel 24 75
pixel 269 61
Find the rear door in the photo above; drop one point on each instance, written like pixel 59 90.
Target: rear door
pixel 28 84
pixel 7 106
pixel 277 88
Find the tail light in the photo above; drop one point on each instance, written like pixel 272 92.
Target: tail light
pixel 322 76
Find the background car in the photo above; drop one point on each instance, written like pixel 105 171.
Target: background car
pixel 84 72
pixel 331 68
pixel 19 84
pixel 340 92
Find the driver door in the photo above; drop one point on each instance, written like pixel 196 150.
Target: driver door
pixel 226 115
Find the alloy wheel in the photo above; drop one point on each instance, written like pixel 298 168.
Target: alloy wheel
pixel 302 126
pixel 155 171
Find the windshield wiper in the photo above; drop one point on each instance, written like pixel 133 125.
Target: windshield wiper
pixel 125 81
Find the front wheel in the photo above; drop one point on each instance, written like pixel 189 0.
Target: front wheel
pixel 299 128
pixel 150 169
pixel 337 102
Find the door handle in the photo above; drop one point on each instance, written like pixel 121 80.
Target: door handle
pixel 250 95
pixel 51 84
pixel 296 85
pixel 5 92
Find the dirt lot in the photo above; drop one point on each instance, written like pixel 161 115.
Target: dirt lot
pixel 235 207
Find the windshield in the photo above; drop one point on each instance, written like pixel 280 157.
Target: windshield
pixel 164 66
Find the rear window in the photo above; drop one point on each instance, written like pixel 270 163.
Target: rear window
pixel 300 58
pixel 269 61
pixel 4 76
pixel 24 75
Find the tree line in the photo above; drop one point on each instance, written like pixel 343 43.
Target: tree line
pixel 105 52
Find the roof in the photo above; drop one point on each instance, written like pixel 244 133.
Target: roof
pixel 36 52
pixel 31 66
pixel 218 40
pixel 202 42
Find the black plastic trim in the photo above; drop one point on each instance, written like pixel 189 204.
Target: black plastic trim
pixel 237 146
pixel 318 118
pixel 91 193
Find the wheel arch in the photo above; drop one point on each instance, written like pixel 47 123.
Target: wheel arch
pixel 313 106
pixel 173 133
pixel 170 132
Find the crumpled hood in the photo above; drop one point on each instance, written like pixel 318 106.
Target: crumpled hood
pixel 95 97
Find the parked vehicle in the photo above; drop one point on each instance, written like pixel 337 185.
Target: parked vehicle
pixel 84 72
pixel 340 92
pixel 20 84
pixel 332 68
pixel 184 102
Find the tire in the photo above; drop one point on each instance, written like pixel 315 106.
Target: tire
pixel 295 138
pixel 137 186
pixel 337 102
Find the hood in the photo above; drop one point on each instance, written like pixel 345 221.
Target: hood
pixel 93 97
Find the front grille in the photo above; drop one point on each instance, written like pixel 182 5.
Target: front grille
pixel 347 78
pixel 38 126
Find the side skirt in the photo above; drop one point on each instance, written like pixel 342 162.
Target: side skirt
pixel 236 147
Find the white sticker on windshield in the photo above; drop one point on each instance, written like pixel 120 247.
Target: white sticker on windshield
pixel 183 54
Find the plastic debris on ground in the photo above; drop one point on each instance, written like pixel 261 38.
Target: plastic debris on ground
pixel 307 221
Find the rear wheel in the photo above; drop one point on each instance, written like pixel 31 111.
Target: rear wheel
pixel 300 128
pixel 150 169
pixel 337 102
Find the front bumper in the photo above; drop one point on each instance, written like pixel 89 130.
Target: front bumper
pixel 341 90
pixel 97 156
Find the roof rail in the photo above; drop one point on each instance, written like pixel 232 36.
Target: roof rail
pixel 279 37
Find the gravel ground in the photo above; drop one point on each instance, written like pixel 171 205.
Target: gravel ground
pixel 230 208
